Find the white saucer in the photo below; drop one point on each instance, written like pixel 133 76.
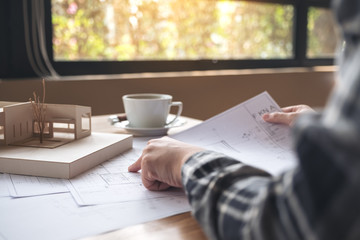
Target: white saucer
pixel 149 131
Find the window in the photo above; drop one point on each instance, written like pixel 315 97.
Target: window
pixel 124 30
pixel 73 37
pixel 321 24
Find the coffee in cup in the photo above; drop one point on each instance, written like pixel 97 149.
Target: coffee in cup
pixel 149 110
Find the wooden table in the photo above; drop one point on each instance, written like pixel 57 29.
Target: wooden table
pixel 181 226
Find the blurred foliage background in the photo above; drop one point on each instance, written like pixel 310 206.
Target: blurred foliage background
pixel 130 30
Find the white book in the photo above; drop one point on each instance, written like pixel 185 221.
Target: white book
pixel 66 161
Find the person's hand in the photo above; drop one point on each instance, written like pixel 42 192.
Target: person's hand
pixel 161 163
pixel 288 116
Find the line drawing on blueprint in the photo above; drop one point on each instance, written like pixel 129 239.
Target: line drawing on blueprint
pixel 277 133
pixel 241 133
pixel 112 183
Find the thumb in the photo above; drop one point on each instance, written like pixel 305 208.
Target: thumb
pixel 277 117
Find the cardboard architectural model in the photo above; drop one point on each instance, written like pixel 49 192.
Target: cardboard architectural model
pixel 68 147
pixel 63 123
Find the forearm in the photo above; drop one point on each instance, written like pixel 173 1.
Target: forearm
pixel 235 201
pixel 216 186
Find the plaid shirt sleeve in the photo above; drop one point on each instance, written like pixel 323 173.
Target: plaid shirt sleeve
pixel 317 200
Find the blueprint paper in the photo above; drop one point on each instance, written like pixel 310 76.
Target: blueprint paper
pixel 241 133
pixel 26 186
pixel 58 217
pixel 111 183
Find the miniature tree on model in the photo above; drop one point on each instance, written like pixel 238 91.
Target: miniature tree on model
pixel 39 110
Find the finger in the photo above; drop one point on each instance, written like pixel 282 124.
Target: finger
pixel 154 140
pixel 277 117
pixel 289 109
pixel 136 166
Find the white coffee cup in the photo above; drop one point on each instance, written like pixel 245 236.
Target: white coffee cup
pixel 149 110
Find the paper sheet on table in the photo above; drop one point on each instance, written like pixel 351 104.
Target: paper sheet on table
pixel 241 133
pixel 58 217
pixel 26 186
pixel 111 182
